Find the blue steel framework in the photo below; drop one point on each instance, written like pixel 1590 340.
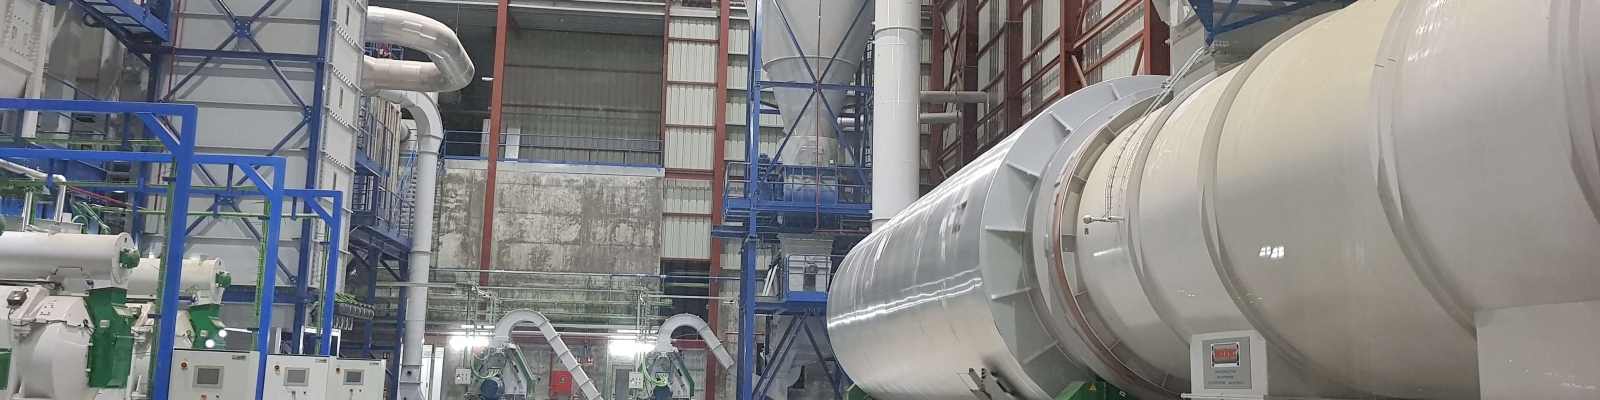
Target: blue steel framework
pixel 180 154
pixel 751 206
pixel 244 32
pixel 1216 25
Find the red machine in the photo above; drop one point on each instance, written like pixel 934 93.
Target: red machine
pixel 560 384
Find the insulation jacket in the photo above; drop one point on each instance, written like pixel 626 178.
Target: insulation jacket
pixel 1361 193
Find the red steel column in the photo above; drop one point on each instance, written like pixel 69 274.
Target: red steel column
pixel 1157 52
pixel 492 156
pixel 718 171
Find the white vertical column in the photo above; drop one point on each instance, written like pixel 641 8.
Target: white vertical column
pixel 897 84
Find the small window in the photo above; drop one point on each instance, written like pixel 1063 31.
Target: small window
pixel 296 377
pixel 208 376
pixel 353 377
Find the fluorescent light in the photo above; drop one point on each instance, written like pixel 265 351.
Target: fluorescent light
pixel 119 191
pixel 457 342
pixel 633 331
pixel 627 347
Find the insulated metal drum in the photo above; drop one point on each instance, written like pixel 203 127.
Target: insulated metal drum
pixel 1400 198
pixel 104 260
pixel 945 286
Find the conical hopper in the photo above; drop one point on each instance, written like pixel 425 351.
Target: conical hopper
pixel 813 41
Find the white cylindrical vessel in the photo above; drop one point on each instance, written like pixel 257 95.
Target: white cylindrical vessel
pixel 96 260
pixel 199 277
pixel 1369 193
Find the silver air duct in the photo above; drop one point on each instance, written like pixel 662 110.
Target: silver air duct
pixel 430 134
pixel 450 68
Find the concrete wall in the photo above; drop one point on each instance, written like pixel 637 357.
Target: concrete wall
pixel 553 217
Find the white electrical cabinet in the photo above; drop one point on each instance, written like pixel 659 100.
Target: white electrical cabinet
pixel 297 377
pixel 213 374
pixel 356 380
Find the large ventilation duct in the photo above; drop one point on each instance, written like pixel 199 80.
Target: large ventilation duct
pixel 896 102
pixel 430 135
pixel 1395 208
pixel 450 68
pixel 827 42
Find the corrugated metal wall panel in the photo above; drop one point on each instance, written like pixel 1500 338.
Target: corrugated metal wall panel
pixel 692 62
pixel 686 237
pixel 584 50
pixel 694 28
pixel 691 105
pixel 691 196
pixel 690 148
pixel 737 112
pixel 1118 66
pixel 583 85
pixel 771 138
pixel 739 38
pixel 583 88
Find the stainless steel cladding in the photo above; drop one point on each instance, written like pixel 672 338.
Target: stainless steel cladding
pixel 1399 197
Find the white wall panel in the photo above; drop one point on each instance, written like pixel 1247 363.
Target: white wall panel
pixel 692 62
pixel 690 148
pixel 694 28
pixel 691 105
pixel 686 237
pixel 771 138
pixel 690 196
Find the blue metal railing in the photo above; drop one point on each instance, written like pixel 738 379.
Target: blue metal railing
pixel 380 199
pixel 541 148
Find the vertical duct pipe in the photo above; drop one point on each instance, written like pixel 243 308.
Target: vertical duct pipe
pixel 398 82
pixel 896 98
pixel 430 134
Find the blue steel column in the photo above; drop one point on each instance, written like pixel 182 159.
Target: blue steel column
pixel 313 160
pixel 747 273
pixel 334 218
pixel 264 340
pixel 183 169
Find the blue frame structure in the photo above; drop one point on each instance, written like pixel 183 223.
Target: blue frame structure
pixel 1216 25
pixel 761 199
pixel 180 154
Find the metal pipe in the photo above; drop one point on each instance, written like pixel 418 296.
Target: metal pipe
pixel 430 135
pixel 897 85
pixel 502 338
pixel 449 70
pixel 939 118
pixel 932 96
pixel 664 337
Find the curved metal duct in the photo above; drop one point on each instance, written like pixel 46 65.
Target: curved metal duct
pixel 1371 193
pixel 664 337
pixel 449 70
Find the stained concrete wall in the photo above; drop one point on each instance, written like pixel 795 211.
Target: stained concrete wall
pixel 553 217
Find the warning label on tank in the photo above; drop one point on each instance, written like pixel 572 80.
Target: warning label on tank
pixel 1227 363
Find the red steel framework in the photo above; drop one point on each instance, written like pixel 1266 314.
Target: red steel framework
pixel 1072 36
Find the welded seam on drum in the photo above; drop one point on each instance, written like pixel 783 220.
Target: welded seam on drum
pixel 1081 160
pixel 1130 206
pixel 1208 213
pixel 1391 196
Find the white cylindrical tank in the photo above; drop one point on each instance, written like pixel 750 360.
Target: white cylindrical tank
pixel 199 278
pixel 104 260
pixel 1363 193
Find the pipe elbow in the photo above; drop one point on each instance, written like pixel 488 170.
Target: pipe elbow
pixel 450 68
